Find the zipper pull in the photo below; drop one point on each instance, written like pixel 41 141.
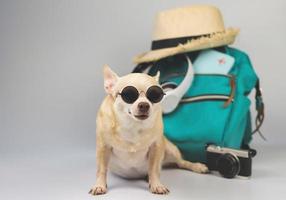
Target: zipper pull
pixel 232 92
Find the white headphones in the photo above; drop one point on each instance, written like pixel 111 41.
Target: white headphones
pixel 173 97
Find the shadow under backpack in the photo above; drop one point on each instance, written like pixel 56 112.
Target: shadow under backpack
pixel 215 109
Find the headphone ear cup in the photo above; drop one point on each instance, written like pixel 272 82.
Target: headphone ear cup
pixel 169 102
pixel 172 97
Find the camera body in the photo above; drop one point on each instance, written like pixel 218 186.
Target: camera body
pixel 229 162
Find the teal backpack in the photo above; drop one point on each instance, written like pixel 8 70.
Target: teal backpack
pixel 215 109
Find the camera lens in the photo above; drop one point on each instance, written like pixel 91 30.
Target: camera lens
pixel 228 165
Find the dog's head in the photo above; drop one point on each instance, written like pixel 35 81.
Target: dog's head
pixel 136 95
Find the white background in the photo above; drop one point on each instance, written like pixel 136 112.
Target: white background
pixel 51 57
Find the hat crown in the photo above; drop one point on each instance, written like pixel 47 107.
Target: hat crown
pixel 188 21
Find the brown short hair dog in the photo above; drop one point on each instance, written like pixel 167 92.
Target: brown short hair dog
pixel 129 132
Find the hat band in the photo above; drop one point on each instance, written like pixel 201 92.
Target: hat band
pixel 173 42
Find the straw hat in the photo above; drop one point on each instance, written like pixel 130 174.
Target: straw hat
pixel 187 29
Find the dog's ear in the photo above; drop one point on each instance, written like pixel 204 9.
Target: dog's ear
pixel 157 76
pixel 110 79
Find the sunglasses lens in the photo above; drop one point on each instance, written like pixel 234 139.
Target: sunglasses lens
pixel 129 94
pixel 155 94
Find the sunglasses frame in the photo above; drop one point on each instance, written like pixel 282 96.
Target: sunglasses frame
pixel 146 94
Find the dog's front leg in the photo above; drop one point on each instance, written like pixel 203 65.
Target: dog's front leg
pixel 156 155
pixel 102 158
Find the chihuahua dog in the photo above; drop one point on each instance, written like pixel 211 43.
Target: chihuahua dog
pixel 129 132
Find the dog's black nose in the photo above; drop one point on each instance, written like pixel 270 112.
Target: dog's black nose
pixel 143 107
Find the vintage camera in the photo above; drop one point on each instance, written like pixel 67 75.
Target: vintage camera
pixel 229 162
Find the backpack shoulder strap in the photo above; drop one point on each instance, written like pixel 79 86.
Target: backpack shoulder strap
pixel 249 72
pixel 260 109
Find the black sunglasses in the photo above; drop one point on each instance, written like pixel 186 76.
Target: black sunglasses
pixel 130 94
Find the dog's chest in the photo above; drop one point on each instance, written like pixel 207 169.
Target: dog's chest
pixel 128 163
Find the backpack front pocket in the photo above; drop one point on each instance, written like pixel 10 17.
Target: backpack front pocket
pixel 202 115
pixel 198 118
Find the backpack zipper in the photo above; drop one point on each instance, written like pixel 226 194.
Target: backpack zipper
pixel 211 97
pixel 232 86
pixel 231 83
pixel 213 74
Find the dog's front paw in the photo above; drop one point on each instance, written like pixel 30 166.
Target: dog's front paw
pixel 158 189
pixel 98 190
pixel 200 168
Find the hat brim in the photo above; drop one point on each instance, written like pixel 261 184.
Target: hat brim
pixel 214 40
